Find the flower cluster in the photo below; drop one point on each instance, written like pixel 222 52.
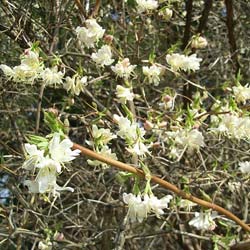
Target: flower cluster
pixel 124 94
pixel 232 125
pixel 49 163
pixel 146 5
pixel 123 68
pixel 152 73
pixel 204 220
pixel 103 56
pixel 182 62
pixel 139 208
pixel 185 139
pixel 133 134
pixel 75 85
pixel 101 138
pixel 90 34
pixel 241 93
pixel 29 69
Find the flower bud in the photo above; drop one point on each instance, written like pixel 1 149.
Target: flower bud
pixel 199 42
pixel 166 13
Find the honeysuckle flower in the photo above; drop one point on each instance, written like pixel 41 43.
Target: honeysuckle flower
pixel 45 181
pixel 60 151
pixel 123 68
pixel 106 152
pixel 52 76
pixel 166 13
pixel 90 34
pixel 199 42
pixel 241 93
pixel 204 220
pixel 102 135
pixel 8 71
pixel 75 85
pixel 139 148
pixel 31 59
pixel 103 56
pixel 182 62
pixel 138 209
pixel 152 73
pixel 34 156
pixel 244 167
pixel 124 94
pixel 157 205
pixel 127 129
pixel 146 5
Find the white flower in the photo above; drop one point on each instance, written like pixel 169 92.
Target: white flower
pixel 204 220
pixel 199 42
pixel 8 71
pixel 106 152
pixel 166 13
pixel 146 5
pixel 242 94
pixel 182 62
pixel 75 85
pixel 123 68
pixel 102 135
pixel 34 156
pixel 127 129
pixel 137 209
pixel 152 73
pixel 46 181
pixel 90 34
pixel 139 148
pixel 124 94
pixel 244 167
pixel 157 205
pixel 52 76
pixel 44 245
pixel 60 151
pixel 103 56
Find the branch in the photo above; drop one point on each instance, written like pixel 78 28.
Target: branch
pixel 231 37
pixel 205 13
pixel 163 183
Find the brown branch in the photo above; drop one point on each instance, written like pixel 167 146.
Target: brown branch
pixel 241 246
pixel 204 17
pixel 80 7
pixel 96 9
pixel 161 182
pixel 231 37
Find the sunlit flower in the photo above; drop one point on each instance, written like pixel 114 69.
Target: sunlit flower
pixel 146 5
pixel 152 73
pixel 139 148
pixel 204 220
pixel 103 56
pixel 123 68
pixel 52 76
pixel 102 135
pixel 139 208
pixel 241 93
pixel 124 94
pixel 244 167
pixel 182 62
pixel 42 245
pixel 90 34
pixel 60 151
pixel 75 85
